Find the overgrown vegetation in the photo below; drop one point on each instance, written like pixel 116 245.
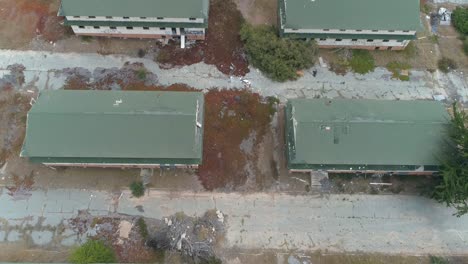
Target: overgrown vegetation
pixel 446 64
pixel 438 260
pixel 460 19
pixel 93 251
pixel 399 70
pixel 279 59
pixel 137 188
pixel 142 228
pixel 141 73
pixel 453 187
pixel 465 46
pixel 362 62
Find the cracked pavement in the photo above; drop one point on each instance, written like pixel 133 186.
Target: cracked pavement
pixel 43 71
pixel 390 224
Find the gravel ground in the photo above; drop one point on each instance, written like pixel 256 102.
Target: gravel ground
pixel 43 70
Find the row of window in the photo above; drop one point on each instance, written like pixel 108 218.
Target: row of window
pixel 130 28
pixel 369 40
pixel 110 17
pixel 360 30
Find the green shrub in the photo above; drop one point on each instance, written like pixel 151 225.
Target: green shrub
pixel 465 46
pixel 445 65
pixel 93 251
pixel 142 228
pixel 396 68
pixel 362 61
pixel 141 73
pixel 279 59
pixel 137 188
pixel 438 260
pixel 86 38
pixel 460 19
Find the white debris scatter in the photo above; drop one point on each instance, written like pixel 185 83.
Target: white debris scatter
pixel 220 216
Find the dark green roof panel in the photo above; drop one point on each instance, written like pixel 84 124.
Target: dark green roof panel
pixel 350 14
pixel 136 8
pixel 333 133
pixel 115 125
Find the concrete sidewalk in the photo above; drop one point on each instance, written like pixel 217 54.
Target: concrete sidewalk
pixel 44 71
pixel 389 224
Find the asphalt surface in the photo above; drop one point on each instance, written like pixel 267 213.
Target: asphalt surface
pixel 389 224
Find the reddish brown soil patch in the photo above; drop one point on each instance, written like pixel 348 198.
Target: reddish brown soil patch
pixel 230 117
pixel 21 188
pixel 222 46
pixel 22 20
pixel 13 110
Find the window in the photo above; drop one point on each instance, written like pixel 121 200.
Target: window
pixel 162 28
pixel 377 48
pixel 76 16
pixel 370 40
pixel 160 18
pixel 326 30
pixel 323 39
pixel 96 27
pixel 113 27
pixel 142 17
pixel 385 40
pixel 129 27
pixel 342 29
pixel 108 17
pixel 374 30
pixel 92 17
pixel 192 18
pixel 405 30
pixel 391 31
pixel 358 30
pixel 338 39
pixel 146 28
pixel 163 37
pixel 354 40
pixel 389 48
pixel 81 26
pixel 125 17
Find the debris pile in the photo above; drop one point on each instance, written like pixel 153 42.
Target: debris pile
pixel 193 237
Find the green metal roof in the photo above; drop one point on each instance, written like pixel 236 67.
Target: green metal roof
pixel 136 8
pixel 350 14
pixel 363 134
pixel 115 127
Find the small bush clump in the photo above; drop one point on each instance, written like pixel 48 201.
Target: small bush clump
pixel 438 260
pixel 397 68
pixel 445 65
pixel 279 59
pixel 142 228
pixel 465 46
pixel 137 188
pixel 93 251
pixel 362 62
pixel 460 19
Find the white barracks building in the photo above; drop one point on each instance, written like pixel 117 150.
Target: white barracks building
pixel 163 19
pixel 359 24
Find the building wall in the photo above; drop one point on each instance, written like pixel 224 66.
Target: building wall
pixel 139 32
pixel 375 44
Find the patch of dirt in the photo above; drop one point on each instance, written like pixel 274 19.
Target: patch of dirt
pixel 23 20
pixel 351 184
pixel 451 46
pixel 231 116
pixel 13 110
pixel 222 46
pixel 22 187
pixel 259 12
